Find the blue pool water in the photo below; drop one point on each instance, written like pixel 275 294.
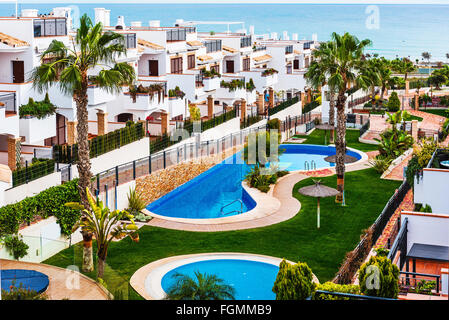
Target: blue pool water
pixel 30 279
pixel 252 280
pixel 218 192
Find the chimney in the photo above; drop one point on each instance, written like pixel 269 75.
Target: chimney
pixel 99 15
pixel 285 35
pixel 29 13
pixel 274 35
pixel 120 22
pixel 314 37
pixel 295 36
pixel 251 30
pixel 136 23
pixel 107 18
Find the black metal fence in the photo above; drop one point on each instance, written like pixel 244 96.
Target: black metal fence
pixel 33 171
pixel 101 144
pixel 362 249
pixel 400 244
pixel 283 105
pixel 364 128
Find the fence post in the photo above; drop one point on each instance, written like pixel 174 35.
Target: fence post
pixel 116 175
pixel 134 170
pixel 106 195
pixel 98 183
pixel 149 164
pixel 26 171
pixel 185 151
pixel 164 160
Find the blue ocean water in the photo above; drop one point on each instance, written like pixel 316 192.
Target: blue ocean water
pixel 251 280
pixel 404 30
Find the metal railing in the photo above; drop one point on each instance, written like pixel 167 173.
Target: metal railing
pixel 350 296
pixel 400 244
pixel 8 101
pixel 421 283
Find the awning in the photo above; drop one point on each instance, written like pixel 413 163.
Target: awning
pixel 148 44
pixel 204 58
pixel 263 58
pixel 195 43
pixel 11 41
pixel 229 49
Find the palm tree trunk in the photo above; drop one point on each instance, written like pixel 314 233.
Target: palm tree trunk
pixel 340 145
pixel 83 164
pixel 331 115
pixel 88 261
pixel 102 253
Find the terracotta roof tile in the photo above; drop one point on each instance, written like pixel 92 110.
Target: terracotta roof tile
pixel 11 41
pixel 262 58
pixel 195 43
pixel 232 50
pixel 148 44
pixel 204 58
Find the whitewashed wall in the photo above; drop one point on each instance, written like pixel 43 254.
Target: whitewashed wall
pixel 432 190
pixel 427 229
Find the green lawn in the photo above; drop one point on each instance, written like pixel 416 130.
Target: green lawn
pixel 438 112
pixel 297 239
pixel 352 139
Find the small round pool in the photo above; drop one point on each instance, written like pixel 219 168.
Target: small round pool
pixel 252 280
pixel 29 279
pixel 445 163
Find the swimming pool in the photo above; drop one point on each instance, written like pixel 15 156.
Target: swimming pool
pixel 29 279
pixel 218 192
pixel 252 280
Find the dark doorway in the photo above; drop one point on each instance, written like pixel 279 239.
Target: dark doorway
pixel 296 64
pixel 230 66
pixel 18 72
pixel 154 68
pixel 124 117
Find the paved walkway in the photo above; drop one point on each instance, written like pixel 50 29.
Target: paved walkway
pixel 61 284
pixel 430 122
pixel 398 172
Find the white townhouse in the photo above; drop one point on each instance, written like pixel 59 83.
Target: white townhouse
pixel 22 39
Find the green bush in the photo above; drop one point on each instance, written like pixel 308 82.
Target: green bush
pixel 135 202
pixel 283 106
pixel 274 124
pixel 39 109
pixel 293 282
pixel 393 104
pixel 49 202
pixel 21 293
pixel 379 277
pixel 333 287
pixel 15 246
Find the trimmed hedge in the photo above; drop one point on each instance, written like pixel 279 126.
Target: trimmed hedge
pixel 101 144
pixel 310 106
pixel 249 121
pixel 334 287
pixel 39 168
pixel 283 106
pixel 49 202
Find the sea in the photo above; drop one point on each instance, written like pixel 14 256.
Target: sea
pixel 395 30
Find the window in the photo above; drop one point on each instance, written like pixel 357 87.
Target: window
pixel 307 44
pixel 289 69
pixel 130 40
pixel 179 34
pixel 50 27
pixel 288 49
pixel 191 61
pixel 176 65
pixel 246 64
pixel 245 42
pixel 212 45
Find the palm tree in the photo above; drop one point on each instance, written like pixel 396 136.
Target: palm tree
pixel 384 68
pixel 104 225
pixel 426 56
pixel 371 71
pixel 316 76
pixel 343 65
pixel 204 287
pixel 67 68
pixel 403 66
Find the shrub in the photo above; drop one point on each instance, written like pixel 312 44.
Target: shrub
pixel 293 282
pixel 333 287
pixel 39 109
pixel 274 124
pixel 413 167
pixel 49 202
pixel 393 104
pixel 21 293
pixel 16 246
pixel 176 92
pixel 233 84
pixel 379 277
pixel 380 164
pixel 269 72
pixel 135 202
pixel 382 252
pixel 250 86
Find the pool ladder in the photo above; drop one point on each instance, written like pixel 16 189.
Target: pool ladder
pixel 308 167
pixel 226 205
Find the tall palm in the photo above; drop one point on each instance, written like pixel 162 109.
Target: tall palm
pixel 384 69
pixel 204 287
pixel 343 66
pixel 67 68
pixel 426 56
pixel 316 75
pixel 371 71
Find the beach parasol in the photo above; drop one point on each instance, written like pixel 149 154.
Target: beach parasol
pixel 326 127
pixel 348 159
pixel 318 191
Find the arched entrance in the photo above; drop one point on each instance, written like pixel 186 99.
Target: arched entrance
pixel 124 117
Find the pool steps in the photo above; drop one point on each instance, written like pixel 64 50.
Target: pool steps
pixel 226 205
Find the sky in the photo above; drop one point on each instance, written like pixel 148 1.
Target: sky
pixel 243 1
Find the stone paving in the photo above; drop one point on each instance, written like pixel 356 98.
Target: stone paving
pixel 398 172
pixel 60 279
pixel 406 205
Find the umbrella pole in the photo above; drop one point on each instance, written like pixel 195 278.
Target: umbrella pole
pixel 318 214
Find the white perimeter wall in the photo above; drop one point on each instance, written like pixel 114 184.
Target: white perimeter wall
pixel 432 190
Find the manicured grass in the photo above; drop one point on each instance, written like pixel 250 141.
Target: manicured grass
pixel 297 239
pixel 438 112
pixel 352 139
